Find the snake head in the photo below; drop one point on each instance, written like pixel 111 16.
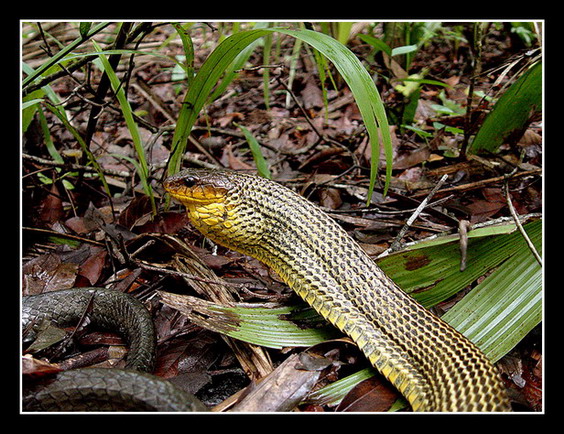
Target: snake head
pixel 198 186
pixel 213 200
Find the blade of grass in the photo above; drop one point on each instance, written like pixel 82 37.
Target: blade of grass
pixel 266 73
pixel 206 78
pixel 260 161
pixel 188 47
pixel 366 96
pixel 131 124
pixel 53 105
pixel 511 114
pixel 56 110
pixel 292 69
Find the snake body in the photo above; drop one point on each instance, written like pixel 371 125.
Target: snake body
pixel 99 389
pixel 435 367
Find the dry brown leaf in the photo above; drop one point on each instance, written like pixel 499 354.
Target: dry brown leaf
pixel 282 390
pixel 312 96
pixel 47 273
pixel 370 395
pixel 51 208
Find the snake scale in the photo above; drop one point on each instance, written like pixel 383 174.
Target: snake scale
pixel 435 367
pixel 100 389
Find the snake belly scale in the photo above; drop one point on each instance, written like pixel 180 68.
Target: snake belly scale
pixel 435 367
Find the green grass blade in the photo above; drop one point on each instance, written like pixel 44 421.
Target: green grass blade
pixel 266 52
pixel 510 116
pixel 366 96
pixel 188 47
pixel 333 393
pixel 260 161
pixel 57 111
pixel 130 121
pixel 200 90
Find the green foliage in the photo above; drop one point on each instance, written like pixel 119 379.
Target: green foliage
pixel 525 31
pixel 143 169
pixel 348 65
pixel 63 53
pixel 262 165
pixel 511 115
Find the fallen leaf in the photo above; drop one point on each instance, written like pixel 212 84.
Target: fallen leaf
pixel 311 94
pixel 47 273
pixel 51 207
pixel 91 269
pixel 330 198
pixel 135 212
pixel 370 395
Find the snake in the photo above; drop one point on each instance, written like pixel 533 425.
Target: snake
pixel 435 367
pixel 133 388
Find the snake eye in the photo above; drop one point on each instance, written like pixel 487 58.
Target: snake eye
pixel 189 181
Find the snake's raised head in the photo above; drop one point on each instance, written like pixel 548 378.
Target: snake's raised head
pixel 200 186
pixel 214 205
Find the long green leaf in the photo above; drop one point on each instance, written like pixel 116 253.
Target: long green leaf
pixel 432 274
pixel 273 327
pixel 365 93
pixel 130 122
pixel 505 306
pixel 510 116
pixel 351 69
pixel 204 81
pixel 188 52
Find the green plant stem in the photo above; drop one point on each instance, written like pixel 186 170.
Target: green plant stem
pixel 476 70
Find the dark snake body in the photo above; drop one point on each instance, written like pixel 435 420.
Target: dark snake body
pixel 98 389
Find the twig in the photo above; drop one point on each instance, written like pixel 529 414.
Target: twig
pixel 519 226
pixel 463 227
pixel 223 283
pixel 482 182
pixel 397 242
pixel 73 166
pixel 302 109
